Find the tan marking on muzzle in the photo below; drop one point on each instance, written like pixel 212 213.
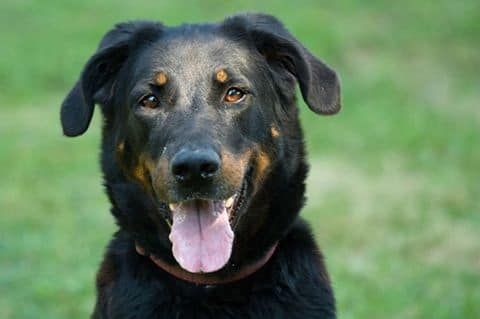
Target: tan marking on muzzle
pixel 262 162
pixel 159 177
pixel 161 78
pixel 221 76
pixel 139 171
pixel 234 166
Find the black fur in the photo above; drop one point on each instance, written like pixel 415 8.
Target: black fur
pixel 259 55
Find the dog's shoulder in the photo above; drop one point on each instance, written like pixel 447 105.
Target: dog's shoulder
pixel 301 274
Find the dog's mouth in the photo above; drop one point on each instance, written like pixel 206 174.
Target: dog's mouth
pixel 202 231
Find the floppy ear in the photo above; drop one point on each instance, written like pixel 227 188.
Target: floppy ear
pixel 97 77
pixel 318 83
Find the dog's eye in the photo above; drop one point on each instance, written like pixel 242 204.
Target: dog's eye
pixel 234 95
pixel 149 101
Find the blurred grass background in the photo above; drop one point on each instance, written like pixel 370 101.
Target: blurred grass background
pixel 394 188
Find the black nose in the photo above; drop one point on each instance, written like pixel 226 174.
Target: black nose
pixel 195 165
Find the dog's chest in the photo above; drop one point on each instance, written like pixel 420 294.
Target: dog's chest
pixel 205 302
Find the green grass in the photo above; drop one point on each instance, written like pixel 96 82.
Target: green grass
pixel 394 186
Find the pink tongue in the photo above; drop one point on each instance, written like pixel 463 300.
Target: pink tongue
pixel 201 235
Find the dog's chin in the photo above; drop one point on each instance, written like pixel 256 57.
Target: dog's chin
pixel 202 230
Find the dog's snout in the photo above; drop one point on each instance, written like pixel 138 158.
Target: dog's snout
pixel 196 165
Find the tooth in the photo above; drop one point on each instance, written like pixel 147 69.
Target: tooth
pixel 173 206
pixel 229 202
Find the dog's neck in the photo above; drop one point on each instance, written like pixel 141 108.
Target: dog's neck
pixel 206 279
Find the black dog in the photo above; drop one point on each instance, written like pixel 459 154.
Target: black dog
pixel 204 165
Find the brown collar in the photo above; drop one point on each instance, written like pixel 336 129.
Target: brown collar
pixel 203 279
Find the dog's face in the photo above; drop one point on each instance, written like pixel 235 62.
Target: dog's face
pixel 185 128
pixel 201 118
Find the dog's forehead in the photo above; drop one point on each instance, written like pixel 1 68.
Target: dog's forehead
pixel 193 55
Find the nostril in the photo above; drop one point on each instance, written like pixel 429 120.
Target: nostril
pixel 180 171
pixel 208 169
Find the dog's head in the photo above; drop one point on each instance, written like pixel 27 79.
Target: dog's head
pixel 201 141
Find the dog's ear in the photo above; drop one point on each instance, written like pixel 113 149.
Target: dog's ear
pixel 318 83
pixel 98 75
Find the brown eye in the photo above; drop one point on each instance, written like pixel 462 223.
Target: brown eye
pixel 234 95
pixel 149 101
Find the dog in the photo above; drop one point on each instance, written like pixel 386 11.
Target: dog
pixel 204 164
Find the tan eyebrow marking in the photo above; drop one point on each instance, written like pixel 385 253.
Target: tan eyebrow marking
pixel 121 147
pixel 161 78
pixel 221 76
pixel 274 131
